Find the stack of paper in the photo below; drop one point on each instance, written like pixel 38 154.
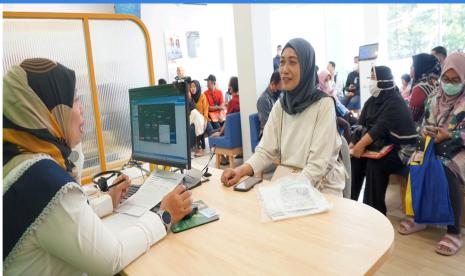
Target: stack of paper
pixel 291 197
pixel 150 194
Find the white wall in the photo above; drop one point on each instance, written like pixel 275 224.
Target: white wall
pixel 302 20
pixel 217 40
pixel 335 31
pixel 84 8
pixel 255 66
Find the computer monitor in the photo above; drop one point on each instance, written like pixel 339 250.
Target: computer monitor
pixel 160 125
pixel 368 52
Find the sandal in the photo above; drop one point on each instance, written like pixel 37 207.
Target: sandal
pixel 409 226
pixel 449 245
pixel 199 153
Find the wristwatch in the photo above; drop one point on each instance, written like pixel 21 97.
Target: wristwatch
pixel 165 217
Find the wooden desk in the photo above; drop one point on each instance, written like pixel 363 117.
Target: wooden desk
pixel 351 239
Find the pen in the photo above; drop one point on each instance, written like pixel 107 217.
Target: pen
pixel 117 183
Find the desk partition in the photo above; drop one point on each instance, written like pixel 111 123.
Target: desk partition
pixel 110 53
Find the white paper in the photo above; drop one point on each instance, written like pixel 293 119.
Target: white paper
pixel 290 197
pixel 150 194
pixel 208 212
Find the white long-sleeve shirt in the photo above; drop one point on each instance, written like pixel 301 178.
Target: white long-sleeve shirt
pixel 73 240
pixel 307 140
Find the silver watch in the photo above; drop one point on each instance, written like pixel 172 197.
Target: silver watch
pixel 165 217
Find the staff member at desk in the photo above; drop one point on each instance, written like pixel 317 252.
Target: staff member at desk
pixel 301 130
pixel 49 226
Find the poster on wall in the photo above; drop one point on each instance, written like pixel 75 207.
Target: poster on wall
pixel 182 50
pixel 174 43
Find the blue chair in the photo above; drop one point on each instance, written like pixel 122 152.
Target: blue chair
pixel 230 143
pixel 254 130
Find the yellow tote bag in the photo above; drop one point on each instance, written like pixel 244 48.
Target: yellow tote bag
pixel 408 192
pixel 408 199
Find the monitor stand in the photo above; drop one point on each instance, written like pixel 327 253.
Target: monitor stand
pixel 192 178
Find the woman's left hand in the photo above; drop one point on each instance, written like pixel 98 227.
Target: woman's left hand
pixel 442 135
pixel 120 190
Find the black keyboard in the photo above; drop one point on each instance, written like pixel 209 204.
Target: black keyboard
pixel 131 190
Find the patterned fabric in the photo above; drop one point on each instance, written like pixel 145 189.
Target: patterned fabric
pixel 427 71
pixel 21 219
pixel 37 102
pixel 420 93
pixel 38 98
pixel 449 112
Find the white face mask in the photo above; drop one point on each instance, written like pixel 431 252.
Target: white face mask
pixel 375 90
pixel 77 157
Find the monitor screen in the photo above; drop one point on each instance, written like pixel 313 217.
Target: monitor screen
pixel 159 125
pixel 367 52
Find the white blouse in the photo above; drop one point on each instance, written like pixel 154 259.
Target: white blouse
pixel 73 240
pixel 308 140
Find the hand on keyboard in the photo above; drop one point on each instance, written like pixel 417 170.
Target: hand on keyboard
pixel 118 192
pixel 132 189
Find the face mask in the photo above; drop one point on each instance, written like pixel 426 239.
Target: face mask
pixel 373 88
pixel 452 89
pixel 77 157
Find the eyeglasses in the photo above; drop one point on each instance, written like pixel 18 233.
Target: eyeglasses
pixel 455 80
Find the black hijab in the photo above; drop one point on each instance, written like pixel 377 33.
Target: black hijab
pixel 384 77
pixel 389 111
pixel 425 65
pixel 194 97
pixel 306 93
pixel 198 92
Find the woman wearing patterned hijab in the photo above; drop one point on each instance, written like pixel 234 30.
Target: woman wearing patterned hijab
pixel 445 122
pixel 301 130
pixel 49 228
pixel 34 120
pixel 425 72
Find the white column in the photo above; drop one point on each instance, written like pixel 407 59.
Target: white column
pixel 371 31
pixel 254 62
